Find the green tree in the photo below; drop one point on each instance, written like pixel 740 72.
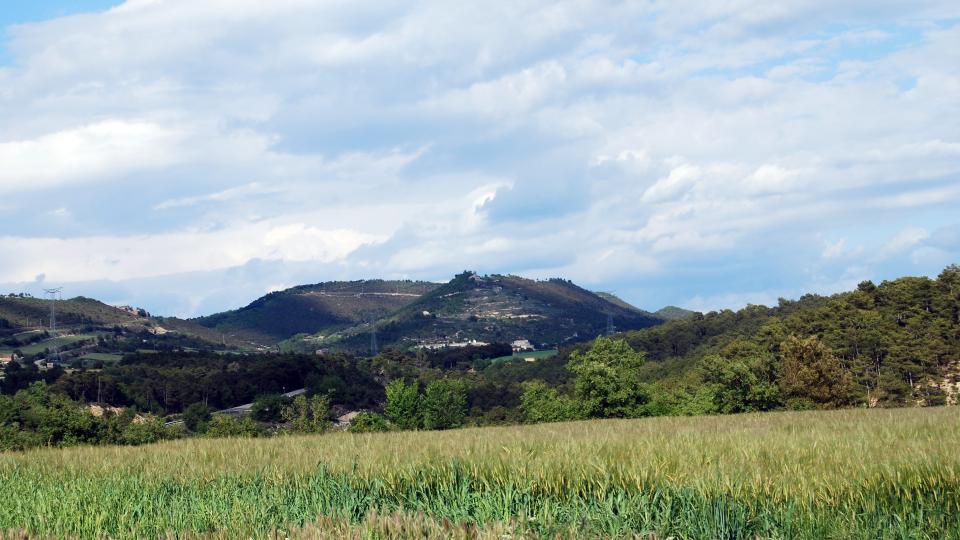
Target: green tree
pixel 541 403
pixel 608 381
pixel 743 378
pixel 812 377
pixel 196 416
pixel 444 404
pixel 269 407
pixel 307 415
pixel 403 404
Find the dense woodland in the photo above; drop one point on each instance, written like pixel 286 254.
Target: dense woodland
pixel 890 345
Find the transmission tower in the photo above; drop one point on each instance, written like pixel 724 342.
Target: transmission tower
pixel 54 294
pixel 611 329
pixel 373 337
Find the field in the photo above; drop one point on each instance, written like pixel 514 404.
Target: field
pixel 539 355
pixel 839 474
pixel 107 358
pixel 62 341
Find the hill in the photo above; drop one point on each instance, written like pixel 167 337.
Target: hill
pixel 495 308
pixel 317 308
pixel 674 313
pixel 21 314
pixel 668 313
pixel 898 342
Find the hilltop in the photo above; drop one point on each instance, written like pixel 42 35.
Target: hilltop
pixel 25 312
pixel 311 309
pixel 495 308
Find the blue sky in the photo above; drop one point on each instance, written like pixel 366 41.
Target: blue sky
pixel 16 12
pixel 188 156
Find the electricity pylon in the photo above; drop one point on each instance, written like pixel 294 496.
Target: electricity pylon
pixel 53 294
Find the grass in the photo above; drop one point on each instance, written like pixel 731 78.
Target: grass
pixel 59 342
pixel 839 474
pixel 539 355
pixel 102 357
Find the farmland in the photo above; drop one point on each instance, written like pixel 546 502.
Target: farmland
pixel 830 474
pixel 537 355
pixel 59 342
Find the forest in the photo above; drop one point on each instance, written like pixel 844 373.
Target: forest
pixel 896 344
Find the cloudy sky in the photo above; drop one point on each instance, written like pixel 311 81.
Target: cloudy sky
pixel 189 155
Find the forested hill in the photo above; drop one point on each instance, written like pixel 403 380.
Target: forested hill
pixel 899 343
pixel 499 308
pixel 317 308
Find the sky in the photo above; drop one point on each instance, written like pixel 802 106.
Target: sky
pixel 188 156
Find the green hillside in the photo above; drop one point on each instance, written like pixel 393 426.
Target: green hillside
pixel 24 313
pixel 318 308
pixel 497 308
pixel 898 342
pixel 19 315
pixel 674 313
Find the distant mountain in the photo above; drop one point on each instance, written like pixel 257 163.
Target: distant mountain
pixel 494 308
pixel 318 308
pixel 669 313
pixel 674 313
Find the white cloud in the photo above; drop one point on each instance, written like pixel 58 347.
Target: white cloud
pixel 128 257
pixel 680 179
pixel 601 141
pixel 95 151
pixel 903 241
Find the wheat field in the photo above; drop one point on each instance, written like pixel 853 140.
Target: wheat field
pixel 834 474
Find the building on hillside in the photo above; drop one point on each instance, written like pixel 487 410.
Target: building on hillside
pixel 5 359
pixel 522 345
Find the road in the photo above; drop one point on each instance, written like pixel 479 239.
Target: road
pixel 240 410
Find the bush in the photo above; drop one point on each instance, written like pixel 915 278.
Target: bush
pixel 541 403
pixel 224 425
pixel 369 422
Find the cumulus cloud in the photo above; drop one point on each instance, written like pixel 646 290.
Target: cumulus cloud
pixel 697 153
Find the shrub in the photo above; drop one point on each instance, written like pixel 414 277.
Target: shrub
pixel 369 422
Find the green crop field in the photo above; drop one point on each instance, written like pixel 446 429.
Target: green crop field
pixel 840 474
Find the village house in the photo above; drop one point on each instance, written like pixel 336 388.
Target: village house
pixel 522 345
